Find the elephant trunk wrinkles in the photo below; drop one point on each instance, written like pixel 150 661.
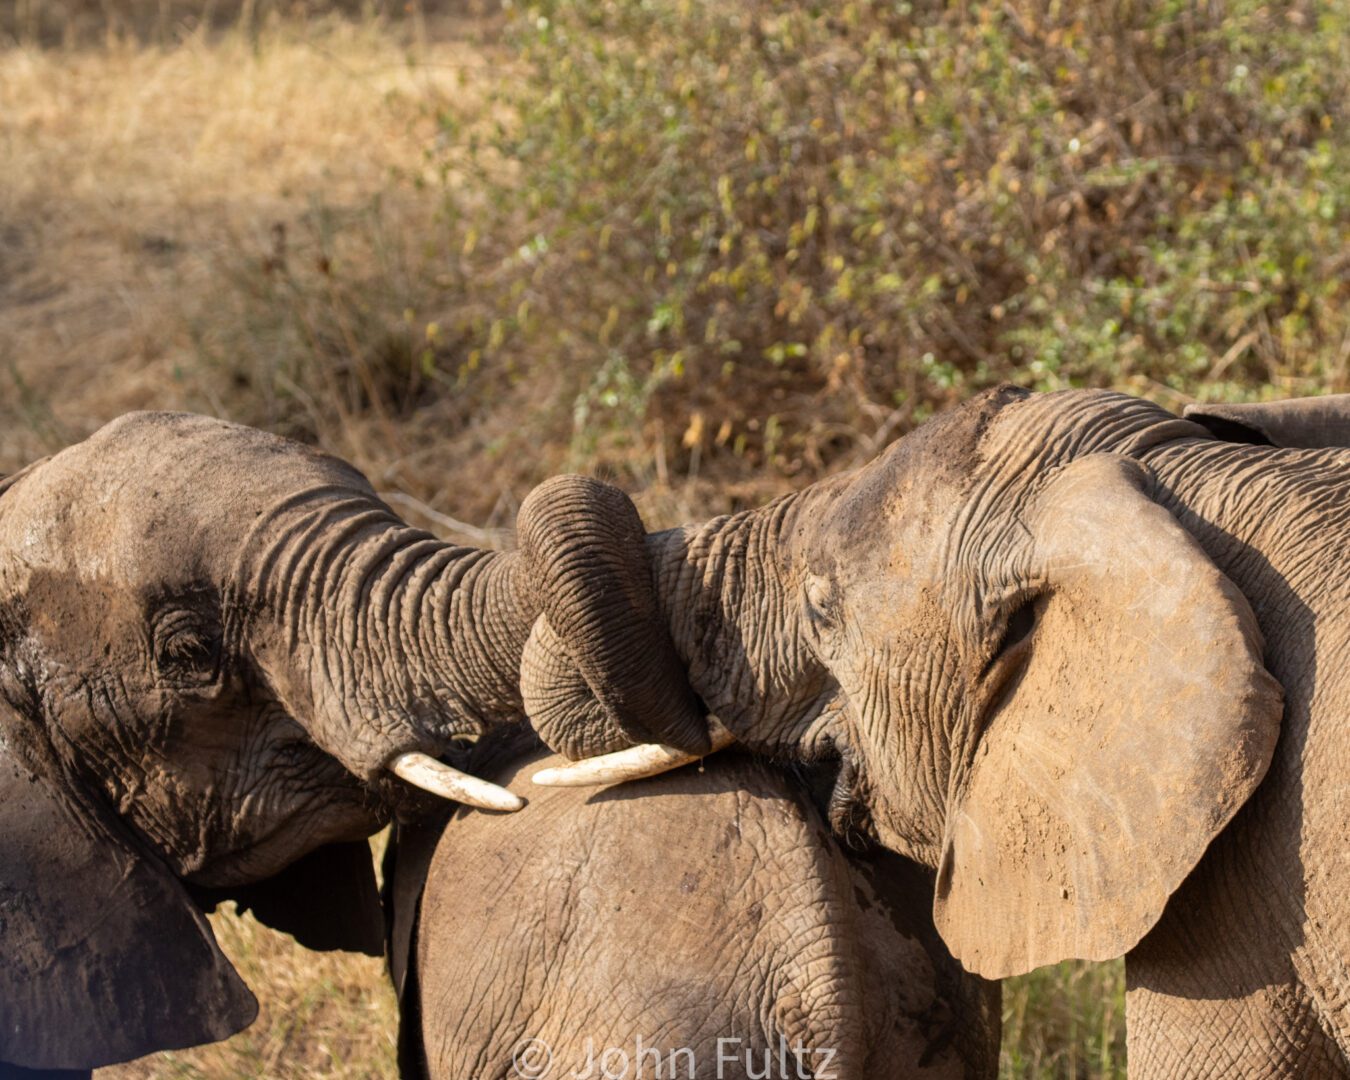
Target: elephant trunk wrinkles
pixel 393 640
pixel 584 543
pixel 730 591
pixel 396 641
pixel 726 610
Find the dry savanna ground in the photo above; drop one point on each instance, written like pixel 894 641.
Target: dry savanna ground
pixel 188 205
pixel 138 183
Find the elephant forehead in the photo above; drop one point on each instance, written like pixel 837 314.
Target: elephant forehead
pixel 736 815
pixel 912 492
pixel 212 466
pixel 157 490
pixel 1047 429
pixel 888 540
pixel 98 530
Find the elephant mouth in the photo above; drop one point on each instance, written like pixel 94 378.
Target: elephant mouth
pixel 415 769
pixel 849 811
pixel 411 767
pixel 277 845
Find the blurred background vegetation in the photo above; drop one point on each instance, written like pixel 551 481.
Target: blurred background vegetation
pixel 712 251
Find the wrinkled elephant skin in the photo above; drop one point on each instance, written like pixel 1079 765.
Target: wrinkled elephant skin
pixel 706 919
pixel 215 644
pixel 1087 661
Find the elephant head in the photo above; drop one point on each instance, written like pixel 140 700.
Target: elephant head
pixel 745 927
pixel 1039 684
pixel 215 645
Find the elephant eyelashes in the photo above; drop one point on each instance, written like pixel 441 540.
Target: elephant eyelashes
pixel 187 652
pixel 1015 643
pixel 819 603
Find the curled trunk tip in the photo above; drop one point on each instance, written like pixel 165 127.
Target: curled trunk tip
pixel 585 547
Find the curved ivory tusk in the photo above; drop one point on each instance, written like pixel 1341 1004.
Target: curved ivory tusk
pixel 425 772
pixel 649 759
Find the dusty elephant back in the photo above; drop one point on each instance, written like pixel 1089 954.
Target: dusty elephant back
pixel 695 918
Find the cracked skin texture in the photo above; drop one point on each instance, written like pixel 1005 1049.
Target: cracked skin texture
pixel 700 905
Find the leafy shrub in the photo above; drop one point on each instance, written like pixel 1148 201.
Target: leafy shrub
pixel 753 243
pixel 771 237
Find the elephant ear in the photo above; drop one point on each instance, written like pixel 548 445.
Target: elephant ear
pixel 1141 721
pixel 103 955
pixel 326 900
pixel 1300 423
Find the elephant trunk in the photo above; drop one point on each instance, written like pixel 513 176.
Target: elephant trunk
pixel 724 596
pixel 585 549
pixel 393 643
pixel 386 640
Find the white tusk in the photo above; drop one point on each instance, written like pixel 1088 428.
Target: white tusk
pixel 649 759
pixel 425 772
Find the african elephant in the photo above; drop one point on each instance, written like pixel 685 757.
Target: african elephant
pixel 215 645
pixel 704 923
pixel 1057 641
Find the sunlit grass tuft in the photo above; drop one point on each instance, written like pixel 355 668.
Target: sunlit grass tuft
pixel 1065 1022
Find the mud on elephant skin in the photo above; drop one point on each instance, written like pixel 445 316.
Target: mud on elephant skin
pixel 214 645
pixel 707 918
pixel 1085 659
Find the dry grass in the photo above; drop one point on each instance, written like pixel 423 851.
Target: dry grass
pixel 319 1014
pixel 248 224
pixel 175 216
pixel 1066 1022
pixel 138 180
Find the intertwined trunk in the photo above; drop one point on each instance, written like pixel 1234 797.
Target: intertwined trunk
pixel 727 593
pixel 385 640
pixel 596 589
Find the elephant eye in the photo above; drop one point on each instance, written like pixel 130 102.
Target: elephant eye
pixel 186 649
pixel 1020 625
pixel 1015 644
pixel 819 602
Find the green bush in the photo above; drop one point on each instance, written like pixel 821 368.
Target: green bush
pixel 766 238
